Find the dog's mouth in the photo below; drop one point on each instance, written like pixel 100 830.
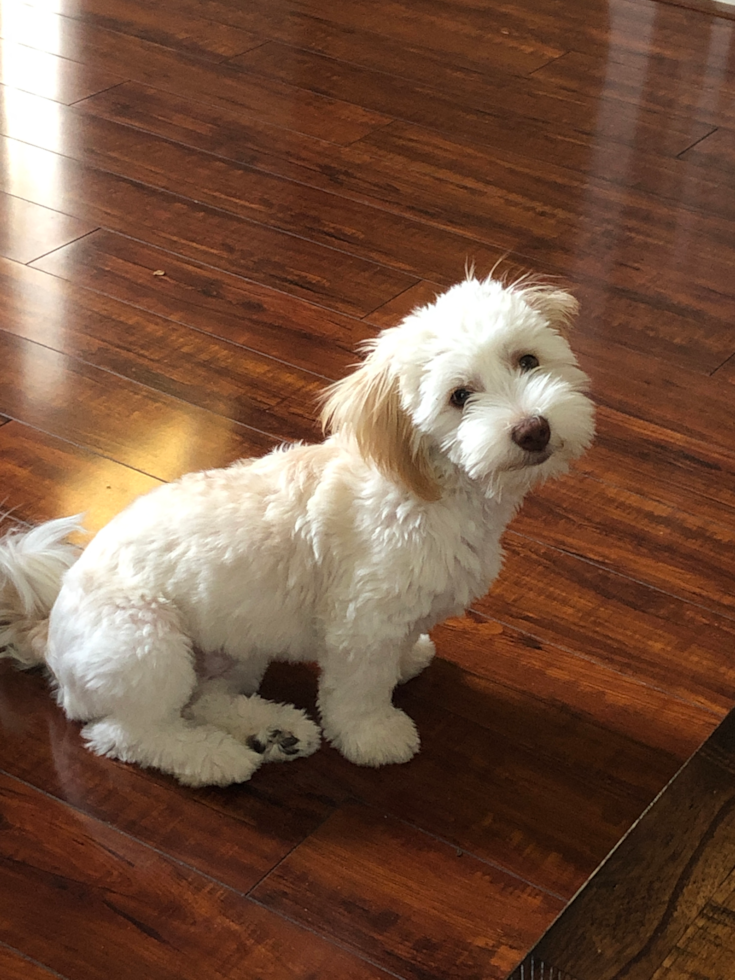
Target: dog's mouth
pixel 536 459
pixel 530 460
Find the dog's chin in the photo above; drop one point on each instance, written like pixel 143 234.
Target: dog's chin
pixel 536 459
pixel 529 462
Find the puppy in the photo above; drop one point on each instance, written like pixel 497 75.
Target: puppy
pixel 345 553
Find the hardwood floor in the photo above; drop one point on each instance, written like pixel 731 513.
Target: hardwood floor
pixel 205 206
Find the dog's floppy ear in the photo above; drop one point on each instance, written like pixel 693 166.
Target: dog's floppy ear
pixel 555 305
pixel 367 404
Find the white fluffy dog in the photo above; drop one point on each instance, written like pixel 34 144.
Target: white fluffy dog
pixel 345 553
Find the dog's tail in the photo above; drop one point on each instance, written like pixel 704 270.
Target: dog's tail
pixel 32 565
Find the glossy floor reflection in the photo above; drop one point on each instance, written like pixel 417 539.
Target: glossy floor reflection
pixel 205 207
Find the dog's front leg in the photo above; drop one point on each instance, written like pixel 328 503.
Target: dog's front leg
pixel 358 716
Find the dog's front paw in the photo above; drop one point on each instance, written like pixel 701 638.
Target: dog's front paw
pixel 378 740
pixel 416 659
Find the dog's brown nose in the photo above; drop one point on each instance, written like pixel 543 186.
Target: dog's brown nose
pixel 532 434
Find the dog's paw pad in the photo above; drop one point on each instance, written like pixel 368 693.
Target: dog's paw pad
pixel 281 744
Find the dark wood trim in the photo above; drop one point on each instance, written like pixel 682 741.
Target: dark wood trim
pixel 665 876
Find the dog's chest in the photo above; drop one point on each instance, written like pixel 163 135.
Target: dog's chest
pixel 461 556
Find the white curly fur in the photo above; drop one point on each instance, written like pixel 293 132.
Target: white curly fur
pixel 345 553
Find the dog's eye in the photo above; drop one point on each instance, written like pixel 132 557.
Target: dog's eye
pixel 459 397
pixel 528 362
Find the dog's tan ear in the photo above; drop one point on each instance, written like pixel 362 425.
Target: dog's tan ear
pixel 367 404
pixel 558 307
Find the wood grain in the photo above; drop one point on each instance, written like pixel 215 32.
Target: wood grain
pixel 482 659
pixel 198 231
pixel 214 374
pixel 594 612
pixel 40 27
pixel 628 79
pixel 425 104
pixel 42 73
pixel 642 909
pixel 142 911
pixel 708 945
pixel 406 900
pixel 28 231
pixel 45 477
pixel 226 306
pixel 16 966
pixel 151 432
pixel 586 517
pixel 375 235
pixel 175 71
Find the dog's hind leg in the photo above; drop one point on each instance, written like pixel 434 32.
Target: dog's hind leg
pixel 197 755
pixel 278 731
pixel 124 665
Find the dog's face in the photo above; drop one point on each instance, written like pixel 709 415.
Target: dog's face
pixel 482 380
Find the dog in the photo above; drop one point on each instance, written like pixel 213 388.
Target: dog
pixel 347 552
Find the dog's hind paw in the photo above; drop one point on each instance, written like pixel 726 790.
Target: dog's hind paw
pixel 277 745
pixel 301 738
pixel 278 732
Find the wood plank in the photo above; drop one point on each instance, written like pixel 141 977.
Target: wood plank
pixel 39 27
pixel 145 912
pixel 124 421
pixel 627 922
pixel 706 949
pixel 28 231
pixel 681 553
pixel 715 154
pixel 524 96
pixel 539 217
pixel 526 678
pixel 44 478
pixel 533 132
pixel 677 470
pixel 694 406
pixel 481 788
pixel 309 271
pixel 373 234
pixel 135 58
pixel 680 327
pixel 15 966
pixel 239 135
pixel 53 78
pixel 406 901
pixel 260 392
pixel 461 35
pixel 215 302
pixel 643 632
pixel 508 725
pixel 700 84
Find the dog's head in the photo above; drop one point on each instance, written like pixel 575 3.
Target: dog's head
pixel 482 380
